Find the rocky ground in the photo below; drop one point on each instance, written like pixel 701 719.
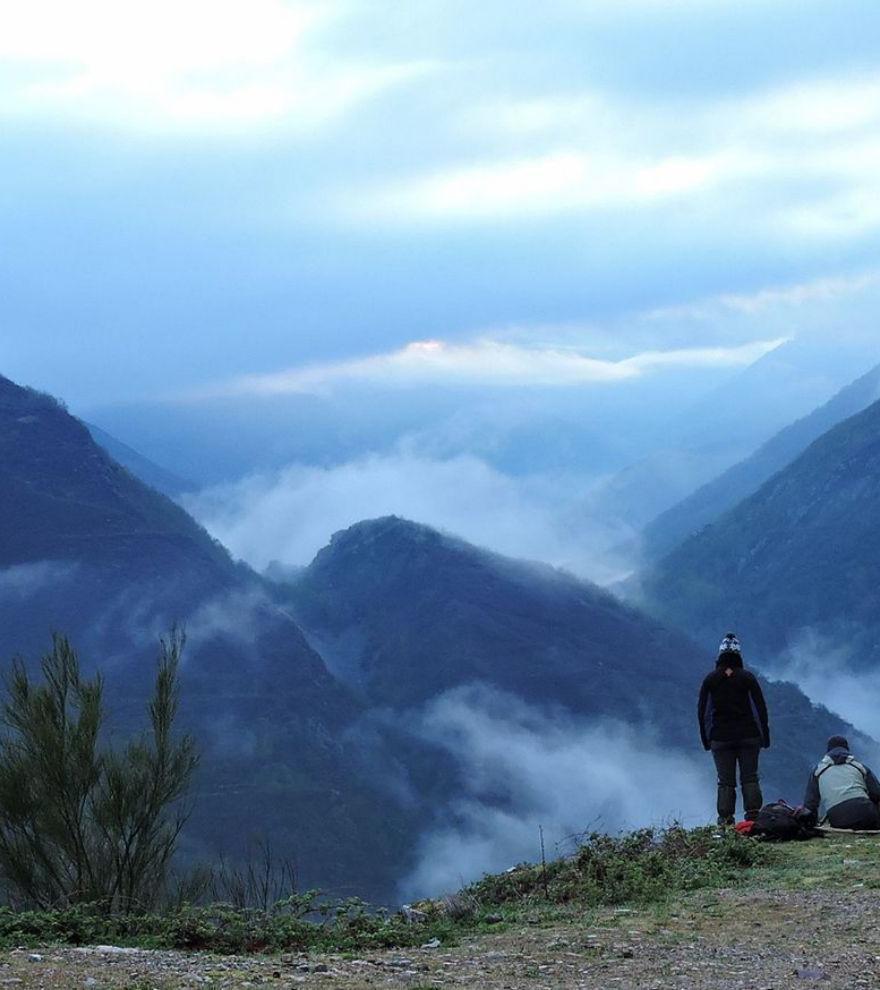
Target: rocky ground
pixel 813 922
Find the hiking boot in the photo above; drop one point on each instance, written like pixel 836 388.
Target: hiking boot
pixel 726 820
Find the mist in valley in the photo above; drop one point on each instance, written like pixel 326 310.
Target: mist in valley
pixel 528 280
pixel 525 770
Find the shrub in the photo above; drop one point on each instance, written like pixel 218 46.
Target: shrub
pixel 640 867
pixel 81 823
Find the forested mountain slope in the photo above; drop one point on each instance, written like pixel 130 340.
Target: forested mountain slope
pixel 87 549
pixel 738 482
pixel 403 613
pixel 803 552
pixel 317 741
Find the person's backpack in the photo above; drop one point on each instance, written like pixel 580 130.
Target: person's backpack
pixel 779 822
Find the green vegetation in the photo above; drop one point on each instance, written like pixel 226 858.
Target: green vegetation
pixel 801 550
pixel 81 822
pixel 643 868
pixel 299 922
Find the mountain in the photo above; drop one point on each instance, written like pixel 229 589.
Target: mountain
pixel 803 552
pixel 150 473
pixel 738 482
pixel 88 549
pixel 661 493
pixel 317 700
pixel 782 386
pixel 403 614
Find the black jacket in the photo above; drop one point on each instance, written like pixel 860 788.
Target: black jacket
pixel 731 706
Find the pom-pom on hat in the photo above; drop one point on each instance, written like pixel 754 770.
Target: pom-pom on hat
pixel 730 644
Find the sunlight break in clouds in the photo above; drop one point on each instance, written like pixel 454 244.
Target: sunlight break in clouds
pixel 485 362
pixel 185 64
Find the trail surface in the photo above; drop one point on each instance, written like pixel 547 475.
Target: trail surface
pixel 813 921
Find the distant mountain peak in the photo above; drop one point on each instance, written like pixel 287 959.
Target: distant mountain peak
pixel 387 534
pixel 409 547
pixel 386 526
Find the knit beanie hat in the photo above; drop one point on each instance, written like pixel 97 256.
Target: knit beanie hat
pixel 730 644
pixel 838 742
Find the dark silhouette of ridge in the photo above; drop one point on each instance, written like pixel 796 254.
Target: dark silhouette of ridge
pixel 801 552
pixel 88 549
pixel 403 613
pixel 722 493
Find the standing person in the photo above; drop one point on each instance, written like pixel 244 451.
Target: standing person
pixel 847 790
pixel 733 724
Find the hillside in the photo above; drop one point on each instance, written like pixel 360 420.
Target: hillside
pixel 150 473
pixel 722 493
pixel 802 552
pixel 88 549
pixel 319 731
pixel 403 613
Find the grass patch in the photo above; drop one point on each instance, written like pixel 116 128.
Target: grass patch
pixel 639 869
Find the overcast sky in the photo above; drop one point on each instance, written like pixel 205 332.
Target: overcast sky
pixel 203 198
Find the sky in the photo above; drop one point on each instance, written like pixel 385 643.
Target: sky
pixel 227 198
pixel 489 266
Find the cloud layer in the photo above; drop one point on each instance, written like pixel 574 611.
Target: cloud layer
pixel 486 362
pixel 289 515
pixel 525 768
pixel 329 188
pixel 178 67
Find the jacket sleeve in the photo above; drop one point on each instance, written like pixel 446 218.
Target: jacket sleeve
pixel 812 796
pixel 757 696
pixel 701 713
pixel 873 786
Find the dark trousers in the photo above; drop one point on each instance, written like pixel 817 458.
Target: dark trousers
pixel 727 756
pixel 857 813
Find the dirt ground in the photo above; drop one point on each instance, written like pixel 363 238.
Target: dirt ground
pixel 809 918
pixel 724 940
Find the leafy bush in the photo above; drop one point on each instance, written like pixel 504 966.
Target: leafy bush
pixel 640 867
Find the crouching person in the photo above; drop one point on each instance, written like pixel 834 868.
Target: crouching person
pixel 847 791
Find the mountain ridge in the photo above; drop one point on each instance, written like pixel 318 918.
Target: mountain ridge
pixel 414 624
pixel 801 552
pixel 712 499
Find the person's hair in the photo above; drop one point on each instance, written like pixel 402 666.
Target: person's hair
pixel 729 658
pixel 838 742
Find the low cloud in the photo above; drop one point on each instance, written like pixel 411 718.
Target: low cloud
pixel 825 667
pixel 289 515
pixel 20 581
pixel 524 768
pixel 780 297
pixel 487 362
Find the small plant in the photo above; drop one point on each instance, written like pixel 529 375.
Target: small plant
pixel 81 823
pixel 640 867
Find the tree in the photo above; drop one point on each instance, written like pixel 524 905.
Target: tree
pixel 81 822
